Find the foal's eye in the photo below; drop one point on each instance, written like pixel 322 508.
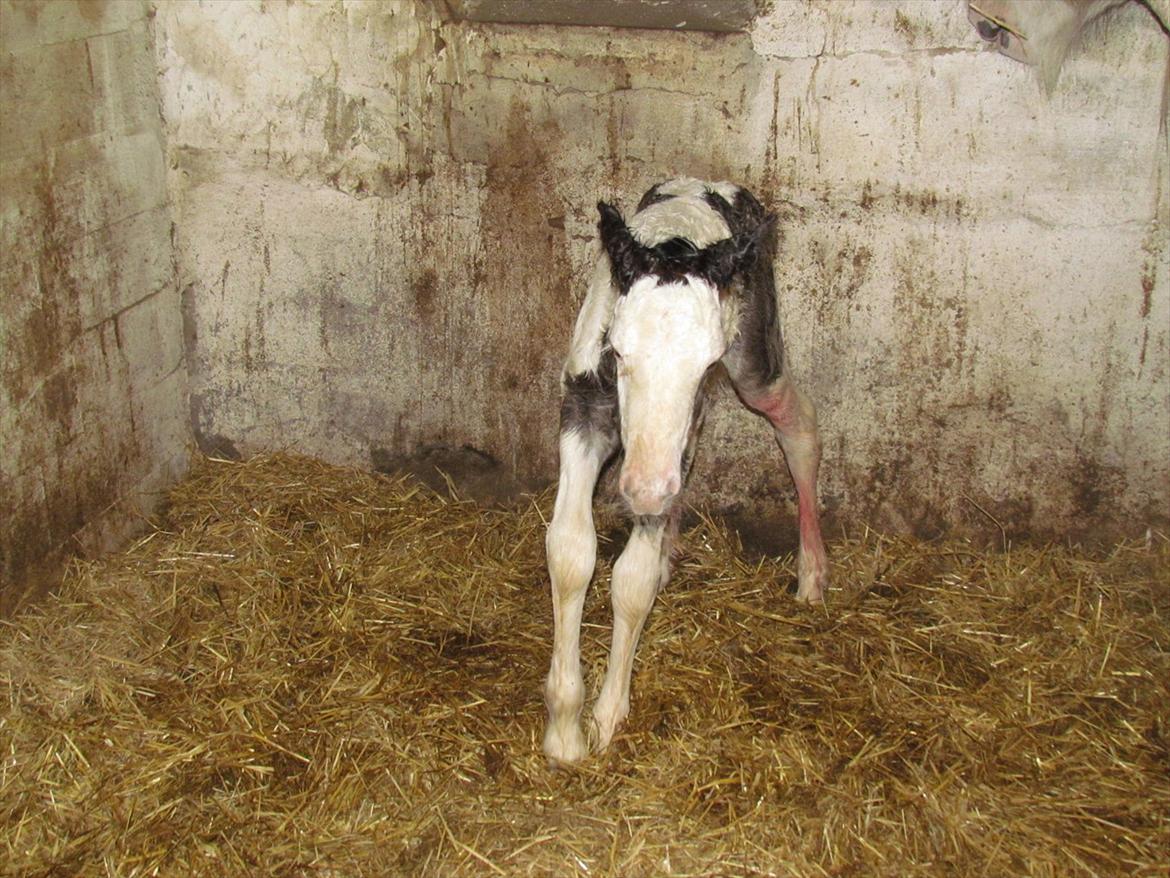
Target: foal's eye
pixel 621 368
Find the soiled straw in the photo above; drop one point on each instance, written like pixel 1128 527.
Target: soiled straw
pixel 308 670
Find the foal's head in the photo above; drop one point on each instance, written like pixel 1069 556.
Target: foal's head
pixel 667 330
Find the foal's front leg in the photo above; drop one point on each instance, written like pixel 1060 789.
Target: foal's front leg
pixel 571 544
pixel 643 568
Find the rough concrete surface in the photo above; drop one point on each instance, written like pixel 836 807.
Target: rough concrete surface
pixel 93 411
pixel 383 221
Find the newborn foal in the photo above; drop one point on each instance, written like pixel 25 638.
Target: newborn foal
pixel 687 283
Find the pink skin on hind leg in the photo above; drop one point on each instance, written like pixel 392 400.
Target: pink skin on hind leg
pixel 794 420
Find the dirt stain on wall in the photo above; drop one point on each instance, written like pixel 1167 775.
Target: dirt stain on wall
pixel 525 287
pixel 91 11
pixel 44 376
pixel 424 290
pixel 51 318
pixel 73 374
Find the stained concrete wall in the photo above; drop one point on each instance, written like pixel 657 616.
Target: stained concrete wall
pixel 385 222
pixel 362 230
pixel 93 409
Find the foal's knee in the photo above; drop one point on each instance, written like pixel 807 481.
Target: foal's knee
pixel 571 548
pixel 637 575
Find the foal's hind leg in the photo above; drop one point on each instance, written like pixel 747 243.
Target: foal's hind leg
pixel 794 420
pixel 571 544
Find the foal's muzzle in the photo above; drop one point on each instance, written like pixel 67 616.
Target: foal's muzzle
pixel 649 495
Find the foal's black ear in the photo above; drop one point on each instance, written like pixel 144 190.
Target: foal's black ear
pixel 615 235
pixel 722 261
pixel 628 260
pixel 757 242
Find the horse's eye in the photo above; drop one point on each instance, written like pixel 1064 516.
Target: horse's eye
pixel 620 366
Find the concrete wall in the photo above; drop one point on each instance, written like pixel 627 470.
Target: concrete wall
pixel 93 410
pixel 384 223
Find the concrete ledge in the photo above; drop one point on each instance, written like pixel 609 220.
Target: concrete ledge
pixel 719 16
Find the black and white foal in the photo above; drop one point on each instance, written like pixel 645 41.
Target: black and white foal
pixel 686 284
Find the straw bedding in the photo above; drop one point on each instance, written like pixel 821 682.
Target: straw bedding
pixel 307 670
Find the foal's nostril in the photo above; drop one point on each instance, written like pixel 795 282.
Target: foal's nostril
pixel 987 30
pixel 625 486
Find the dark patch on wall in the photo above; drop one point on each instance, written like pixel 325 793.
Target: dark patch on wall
pixel 424 288
pixel 60 400
pixel 475 474
pixel 904 26
pixel 217 446
pixel 762 533
pixel 842 271
pixel 1149 276
pixel 30 562
pixel 91 10
pixel 1089 484
pixel 491 324
pixel 342 117
pixel 209 442
pixel 80 489
pixel 190 321
pixel 59 484
pixel 38 337
pixel 867 199
pixel 525 291
pixel 920 202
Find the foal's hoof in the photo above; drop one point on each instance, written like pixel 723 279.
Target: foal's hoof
pixel 811 590
pixel 564 747
pixel 607 717
pixel 812 578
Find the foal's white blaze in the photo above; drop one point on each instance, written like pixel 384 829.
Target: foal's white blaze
pixel 666 337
